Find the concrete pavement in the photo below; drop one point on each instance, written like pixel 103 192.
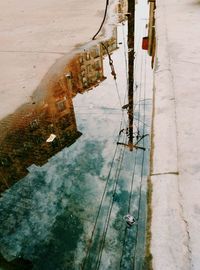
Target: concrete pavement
pixel 175 170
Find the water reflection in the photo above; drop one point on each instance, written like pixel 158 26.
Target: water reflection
pixel 68 213
pixel 24 135
pixel 48 215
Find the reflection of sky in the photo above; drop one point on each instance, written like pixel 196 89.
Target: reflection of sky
pixel 51 213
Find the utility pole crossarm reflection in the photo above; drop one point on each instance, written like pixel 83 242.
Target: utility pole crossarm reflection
pixel 131 146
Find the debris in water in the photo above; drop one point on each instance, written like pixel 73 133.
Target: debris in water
pixel 51 138
pixel 130 220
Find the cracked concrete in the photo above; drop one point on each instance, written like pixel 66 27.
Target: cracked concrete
pixel 175 161
pixel 187 243
pixel 164 173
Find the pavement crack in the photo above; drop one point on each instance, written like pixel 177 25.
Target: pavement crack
pixel 165 173
pixel 187 243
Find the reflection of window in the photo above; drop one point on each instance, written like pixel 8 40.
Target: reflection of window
pixel 27 145
pixel 61 105
pixel 89 69
pixel 34 124
pixel 81 59
pixel 97 65
pixel 84 79
pixel 66 121
pixel 37 139
pixel 4 161
pixel 87 56
pixel 97 75
pixel 85 82
pixel 95 52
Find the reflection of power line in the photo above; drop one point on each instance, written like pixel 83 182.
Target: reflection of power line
pixel 139 138
pixel 118 169
pixel 141 104
pixel 116 86
pixel 129 144
pixel 99 210
pixel 113 73
pixel 129 204
pixel 104 18
pixel 110 210
pixel 142 174
pixel 101 202
pixel 131 106
pixel 138 48
pixel 142 122
pixel 110 61
pixel 100 207
pixel 135 118
pixel 137 103
pixel 130 198
pixel 142 137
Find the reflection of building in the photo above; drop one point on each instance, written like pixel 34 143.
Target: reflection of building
pixel 122 9
pixel 84 71
pixel 110 44
pixel 151 30
pixel 25 143
pixel 23 140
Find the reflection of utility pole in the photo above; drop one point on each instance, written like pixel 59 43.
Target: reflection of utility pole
pixel 130 105
pixel 131 55
pixel 131 49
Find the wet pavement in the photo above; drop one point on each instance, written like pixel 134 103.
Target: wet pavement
pixel 66 209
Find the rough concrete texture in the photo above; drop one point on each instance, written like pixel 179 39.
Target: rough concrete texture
pixel 34 35
pixel 176 156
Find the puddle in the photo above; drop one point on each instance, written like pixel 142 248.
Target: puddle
pixel 24 136
pixel 67 198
